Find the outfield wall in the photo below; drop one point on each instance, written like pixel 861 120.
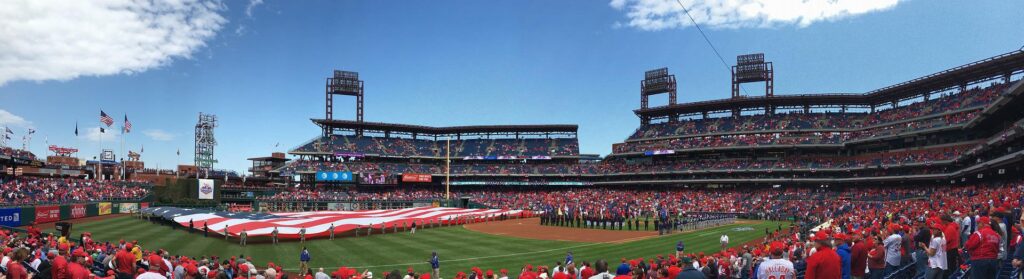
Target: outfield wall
pixel 41 214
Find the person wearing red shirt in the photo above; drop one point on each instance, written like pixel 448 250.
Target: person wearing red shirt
pixel 825 263
pixel 673 271
pixel 59 265
pixel 983 246
pixel 77 270
pixel 859 255
pixel 125 261
pixel 952 233
pixel 14 268
pixel 587 271
pixel 876 258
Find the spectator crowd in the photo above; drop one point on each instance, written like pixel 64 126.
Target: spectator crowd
pixel 32 190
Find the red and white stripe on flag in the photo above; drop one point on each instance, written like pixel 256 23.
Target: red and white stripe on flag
pixel 106 119
pixel 127 125
pixel 319 223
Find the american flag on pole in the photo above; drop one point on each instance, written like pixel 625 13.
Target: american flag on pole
pixel 127 124
pixel 106 118
pixel 318 223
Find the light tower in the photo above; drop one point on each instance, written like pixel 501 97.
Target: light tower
pixel 205 141
pixel 752 68
pixel 656 82
pixel 344 83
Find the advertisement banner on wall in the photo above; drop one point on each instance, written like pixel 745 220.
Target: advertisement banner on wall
pixel 144 205
pixel 377 178
pixel 205 189
pixel 415 177
pixel 104 208
pixel 10 217
pixel 47 214
pixel 334 176
pixel 129 207
pixel 78 211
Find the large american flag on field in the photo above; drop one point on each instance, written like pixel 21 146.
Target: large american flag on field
pixel 318 223
pixel 106 118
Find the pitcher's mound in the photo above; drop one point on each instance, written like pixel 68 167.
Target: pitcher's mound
pixel 531 228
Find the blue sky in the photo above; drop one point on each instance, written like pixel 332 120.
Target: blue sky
pixel 261 66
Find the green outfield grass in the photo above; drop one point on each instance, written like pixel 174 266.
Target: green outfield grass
pixel 458 248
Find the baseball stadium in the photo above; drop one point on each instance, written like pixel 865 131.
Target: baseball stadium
pixel 917 178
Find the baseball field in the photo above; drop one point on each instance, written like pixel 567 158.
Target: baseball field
pixel 459 248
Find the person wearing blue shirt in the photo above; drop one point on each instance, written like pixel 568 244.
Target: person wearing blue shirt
pixel 844 255
pixel 679 249
pixel 568 258
pixel 304 261
pixel 435 264
pixel 227 269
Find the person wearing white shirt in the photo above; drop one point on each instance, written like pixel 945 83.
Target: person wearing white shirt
pixel 725 241
pixel 601 267
pixel 321 275
pixel 936 251
pixel 153 273
pixel 776 266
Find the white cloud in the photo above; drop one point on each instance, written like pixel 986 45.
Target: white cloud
pixel 63 40
pixel 93 134
pixel 159 135
pixel 664 14
pixel 9 119
pixel 251 6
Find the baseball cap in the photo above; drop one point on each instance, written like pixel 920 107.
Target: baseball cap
pixel 777 247
pixel 820 236
pixel 840 236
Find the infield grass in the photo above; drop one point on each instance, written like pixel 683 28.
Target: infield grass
pixel 458 248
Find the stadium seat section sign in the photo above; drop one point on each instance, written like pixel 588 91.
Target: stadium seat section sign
pixel 334 176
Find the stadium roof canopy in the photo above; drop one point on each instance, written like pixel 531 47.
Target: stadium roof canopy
pixel 444 131
pixel 269 158
pixel 1000 66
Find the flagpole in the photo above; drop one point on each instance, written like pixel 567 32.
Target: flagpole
pixel 100 163
pixel 124 137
